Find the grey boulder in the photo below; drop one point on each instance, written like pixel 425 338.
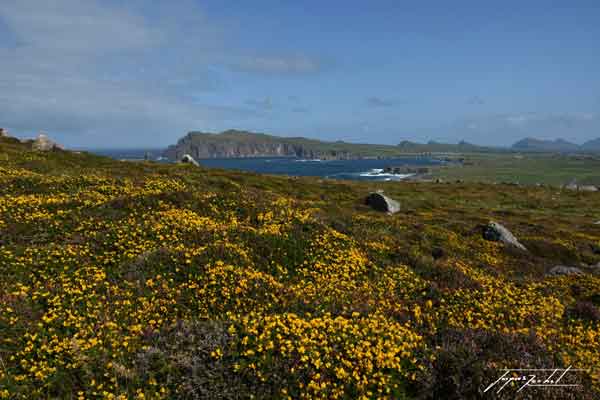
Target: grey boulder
pixel 588 188
pixel 581 188
pixel 564 270
pixel 187 159
pixel 380 202
pixel 498 233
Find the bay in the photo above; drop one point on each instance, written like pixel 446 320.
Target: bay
pixel 361 169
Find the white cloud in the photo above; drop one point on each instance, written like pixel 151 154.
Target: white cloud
pixel 266 103
pixel 519 119
pixel 283 65
pixel 88 73
pixel 380 102
pixel 75 27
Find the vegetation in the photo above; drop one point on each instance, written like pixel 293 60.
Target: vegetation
pixel 148 281
pixel 528 168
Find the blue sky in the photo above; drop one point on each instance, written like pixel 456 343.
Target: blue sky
pixel 142 73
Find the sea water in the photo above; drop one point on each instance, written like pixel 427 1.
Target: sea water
pixel 362 169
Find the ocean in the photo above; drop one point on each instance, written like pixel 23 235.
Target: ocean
pixel 364 169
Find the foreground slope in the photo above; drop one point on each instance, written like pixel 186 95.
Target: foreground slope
pixel 139 280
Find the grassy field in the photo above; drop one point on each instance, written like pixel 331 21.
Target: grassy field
pixel 526 169
pixel 145 281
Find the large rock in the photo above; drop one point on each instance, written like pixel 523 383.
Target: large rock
pixel 3 132
pixel 380 202
pixel 498 233
pixel 43 143
pixel 564 270
pixel 187 159
pixel 595 266
pixel 581 188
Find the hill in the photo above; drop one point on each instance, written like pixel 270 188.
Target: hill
pixel 437 147
pixel 160 281
pixel 537 145
pixel 234 143
pixel 591 145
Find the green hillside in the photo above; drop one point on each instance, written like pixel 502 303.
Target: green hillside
pixel 150 281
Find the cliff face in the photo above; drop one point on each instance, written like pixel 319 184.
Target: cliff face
pixel 235 144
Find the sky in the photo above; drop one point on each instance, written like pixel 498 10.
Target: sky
pixel 142 73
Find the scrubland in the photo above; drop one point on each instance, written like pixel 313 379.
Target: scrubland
pixel 146 281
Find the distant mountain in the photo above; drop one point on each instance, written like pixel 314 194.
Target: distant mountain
pixel 436 147
pixel 591 145
pixel 558 145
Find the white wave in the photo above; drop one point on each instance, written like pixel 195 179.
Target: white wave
pixel 384 175
pixel 372 172
pixel 309 160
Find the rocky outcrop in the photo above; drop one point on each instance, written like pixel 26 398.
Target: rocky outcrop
pixel 498 233
pixel 581 188
pixel 378 201
pixel 187 159
pixel 240 144
pixel 405 169
pixel 564 270
pixel 3 132
pixel 43 143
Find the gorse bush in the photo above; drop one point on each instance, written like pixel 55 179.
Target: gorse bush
pixel 138 280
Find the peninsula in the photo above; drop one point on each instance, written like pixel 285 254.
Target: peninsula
pixel 242 144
